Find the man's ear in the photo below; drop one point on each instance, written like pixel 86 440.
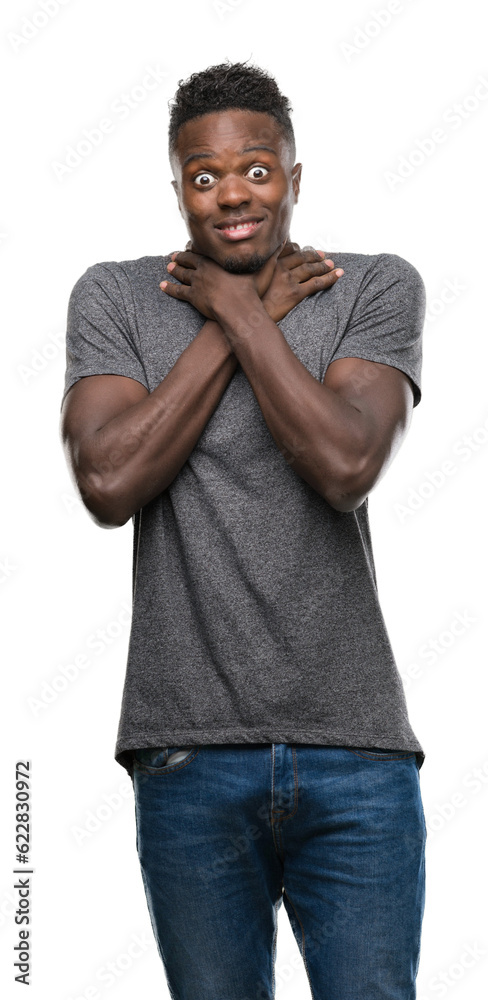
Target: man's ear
pixel 296 175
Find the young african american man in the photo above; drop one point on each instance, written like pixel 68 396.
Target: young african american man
pixel 238 401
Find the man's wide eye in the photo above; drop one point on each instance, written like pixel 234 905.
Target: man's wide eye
pixel 205 178
pixel 262 171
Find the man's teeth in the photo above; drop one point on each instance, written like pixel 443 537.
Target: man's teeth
pixel 241 225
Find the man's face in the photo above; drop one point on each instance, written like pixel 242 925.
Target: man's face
pixel 223 180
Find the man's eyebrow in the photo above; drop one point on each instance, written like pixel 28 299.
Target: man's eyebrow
pixel 210 156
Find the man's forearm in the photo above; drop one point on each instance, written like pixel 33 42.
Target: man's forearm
pixel 138 453
pixel 319 433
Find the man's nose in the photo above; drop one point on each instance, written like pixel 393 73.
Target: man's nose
pixel 232 190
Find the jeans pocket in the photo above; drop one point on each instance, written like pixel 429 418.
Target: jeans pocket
pixel 154 760
pixel 379 754
pixel 151 756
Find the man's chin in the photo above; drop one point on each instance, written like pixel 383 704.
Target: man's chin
pixel 236 264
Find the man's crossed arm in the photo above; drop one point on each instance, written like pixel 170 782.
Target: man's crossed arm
pixel 339 435
pixel 125 445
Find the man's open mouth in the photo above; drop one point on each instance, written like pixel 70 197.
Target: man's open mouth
pixel 239 230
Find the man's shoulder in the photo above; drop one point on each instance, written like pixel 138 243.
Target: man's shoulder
pixel 381 269
pixel 109 280
pixel 138 267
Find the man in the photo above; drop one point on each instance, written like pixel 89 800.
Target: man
pixel 239 400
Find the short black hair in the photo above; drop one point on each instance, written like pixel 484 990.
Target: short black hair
pixel 224 87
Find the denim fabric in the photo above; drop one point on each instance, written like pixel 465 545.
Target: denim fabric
pixel 227 832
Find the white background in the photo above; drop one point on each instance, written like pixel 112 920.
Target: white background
pixel 364 95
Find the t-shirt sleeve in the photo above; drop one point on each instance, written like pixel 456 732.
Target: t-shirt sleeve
pixel 99 340
pixel 387 319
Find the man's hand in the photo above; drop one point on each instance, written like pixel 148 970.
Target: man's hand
pixel 298 274
pixel 289 276
pixel 212 289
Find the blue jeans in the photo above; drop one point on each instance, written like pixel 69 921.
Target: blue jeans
pixel 227 832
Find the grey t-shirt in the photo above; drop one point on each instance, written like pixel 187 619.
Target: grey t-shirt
pixel 255 612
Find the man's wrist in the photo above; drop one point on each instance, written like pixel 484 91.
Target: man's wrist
pixel 217 340
pixel 274 311
pixel 241 315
